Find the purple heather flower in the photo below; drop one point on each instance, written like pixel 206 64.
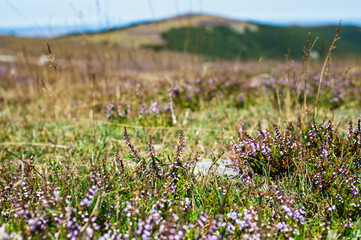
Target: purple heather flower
pixel 86 202
pixel 282 226
pixel 324 153
pixel 354 191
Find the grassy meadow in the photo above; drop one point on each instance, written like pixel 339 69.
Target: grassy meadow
pixel 100 141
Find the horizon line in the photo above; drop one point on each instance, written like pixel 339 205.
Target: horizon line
pixel 44 31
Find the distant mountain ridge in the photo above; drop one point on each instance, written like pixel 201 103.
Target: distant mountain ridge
pixel 219 37
pixel 150 32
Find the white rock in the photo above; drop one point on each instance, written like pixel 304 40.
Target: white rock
pixel 223 167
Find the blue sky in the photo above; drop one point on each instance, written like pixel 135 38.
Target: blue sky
pixel 51 13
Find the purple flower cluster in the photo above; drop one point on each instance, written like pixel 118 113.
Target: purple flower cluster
pixel 273 152
pixel 88 200
pixel 117 110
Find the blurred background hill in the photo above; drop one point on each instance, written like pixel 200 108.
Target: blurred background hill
pixel 218 37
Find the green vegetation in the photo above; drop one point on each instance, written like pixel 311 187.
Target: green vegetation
pixel 269 42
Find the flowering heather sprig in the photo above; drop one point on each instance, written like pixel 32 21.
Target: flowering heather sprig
pixel 278 138
pixel 354 135
pixel 180 147
pixel 130 145
pixel 154 164
pixel 350 129
pixel 151 148
pixel 119 163
pixel 175 167
pixel 189 164
pixel 176 170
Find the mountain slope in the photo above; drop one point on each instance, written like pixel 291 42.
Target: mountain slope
pixel 150 33
pixel 267 42
pixel 219 37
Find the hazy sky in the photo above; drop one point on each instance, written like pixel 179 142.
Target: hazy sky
pixel 32 13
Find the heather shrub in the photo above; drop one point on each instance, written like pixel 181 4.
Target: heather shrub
pixel 272 154
pixel 277 154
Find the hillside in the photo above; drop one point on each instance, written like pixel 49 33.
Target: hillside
pixel 268 41
pixel 211 36
pixel 150 33
pixel 219 37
